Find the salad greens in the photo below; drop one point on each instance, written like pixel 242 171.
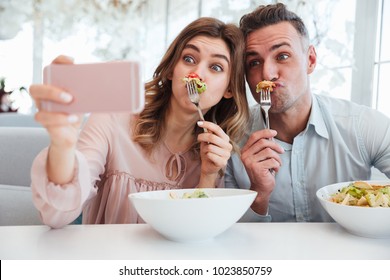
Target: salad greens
pixel 198 193
pixel 361 193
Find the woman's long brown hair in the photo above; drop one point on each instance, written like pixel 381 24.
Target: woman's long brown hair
pixel 230 114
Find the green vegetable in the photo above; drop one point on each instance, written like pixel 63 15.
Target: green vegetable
pixel 196 194
pixel 363 194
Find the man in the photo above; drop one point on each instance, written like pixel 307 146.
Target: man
pixel 313 141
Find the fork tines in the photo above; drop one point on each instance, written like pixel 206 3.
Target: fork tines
pixel 265 97
pixel 193 94
pixel 265 103
pixel 192 91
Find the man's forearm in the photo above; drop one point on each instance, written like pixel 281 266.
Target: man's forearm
pixel 260 205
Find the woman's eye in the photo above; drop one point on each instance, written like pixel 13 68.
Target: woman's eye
pixel 189 59
pixel 217 68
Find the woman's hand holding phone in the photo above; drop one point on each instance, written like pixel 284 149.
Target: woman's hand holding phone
pixel 62 127
pixel 72 89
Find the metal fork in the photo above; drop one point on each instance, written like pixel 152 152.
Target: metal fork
pixel 265 103
pixel 193 94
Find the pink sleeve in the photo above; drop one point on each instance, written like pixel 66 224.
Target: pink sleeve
pixel 60 205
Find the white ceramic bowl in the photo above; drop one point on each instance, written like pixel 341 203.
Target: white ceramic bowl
pixel 371 222
pixel 196 219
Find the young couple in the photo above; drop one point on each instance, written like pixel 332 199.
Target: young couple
pixel 317 140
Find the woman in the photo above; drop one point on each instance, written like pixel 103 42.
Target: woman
pixel 165 147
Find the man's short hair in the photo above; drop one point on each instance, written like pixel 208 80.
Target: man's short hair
pixel 271 14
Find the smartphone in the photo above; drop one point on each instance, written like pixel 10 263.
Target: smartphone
pixel 97 87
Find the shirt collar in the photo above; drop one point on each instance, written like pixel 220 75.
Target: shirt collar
pixel 316 119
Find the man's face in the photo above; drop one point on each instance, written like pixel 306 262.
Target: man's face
pixel 278 53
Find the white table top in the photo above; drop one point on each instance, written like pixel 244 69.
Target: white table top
pixel 271 241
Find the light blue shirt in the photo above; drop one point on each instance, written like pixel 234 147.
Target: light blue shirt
pixel 341 142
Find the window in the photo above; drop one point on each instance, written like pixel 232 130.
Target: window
pixel 372 54
pixel 345 34
pixel 381 95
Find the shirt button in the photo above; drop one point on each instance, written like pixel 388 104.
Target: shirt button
pixel 300 218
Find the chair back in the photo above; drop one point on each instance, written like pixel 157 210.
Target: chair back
pixel 18 148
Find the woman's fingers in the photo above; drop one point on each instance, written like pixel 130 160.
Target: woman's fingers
pixel 56 119
pixel 63 59
pixel 214 129
pixel 218 155
pixel 41 92
pixel 210 138
pixel 63 128
pixel 49 93
pixel 215 145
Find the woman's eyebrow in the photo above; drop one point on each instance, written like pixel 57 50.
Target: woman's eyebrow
pixel 222 56
pixel 191 46
pixel 195 48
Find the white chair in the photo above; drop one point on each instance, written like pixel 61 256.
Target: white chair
pixel 18 148
pixel 18 120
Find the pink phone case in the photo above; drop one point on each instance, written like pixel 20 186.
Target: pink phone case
pixel 97 87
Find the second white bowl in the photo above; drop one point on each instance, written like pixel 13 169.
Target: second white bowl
pixel 192 219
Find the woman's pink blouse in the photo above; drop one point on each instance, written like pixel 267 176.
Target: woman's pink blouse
pixel 109 166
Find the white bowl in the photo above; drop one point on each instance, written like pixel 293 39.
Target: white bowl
pixel 192 219
pixel 373 222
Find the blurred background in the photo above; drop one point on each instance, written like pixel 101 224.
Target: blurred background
pixel 352 38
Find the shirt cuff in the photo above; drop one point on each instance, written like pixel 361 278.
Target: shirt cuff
pixel 251 216
pixel 67 197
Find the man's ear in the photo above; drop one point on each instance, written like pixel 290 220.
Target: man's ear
pixel 228 94
pixel 312 59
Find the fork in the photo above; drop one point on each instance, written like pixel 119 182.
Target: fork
pixel 193 94
pixel 265 103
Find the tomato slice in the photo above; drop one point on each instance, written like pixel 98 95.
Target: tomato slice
pixel 192 75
